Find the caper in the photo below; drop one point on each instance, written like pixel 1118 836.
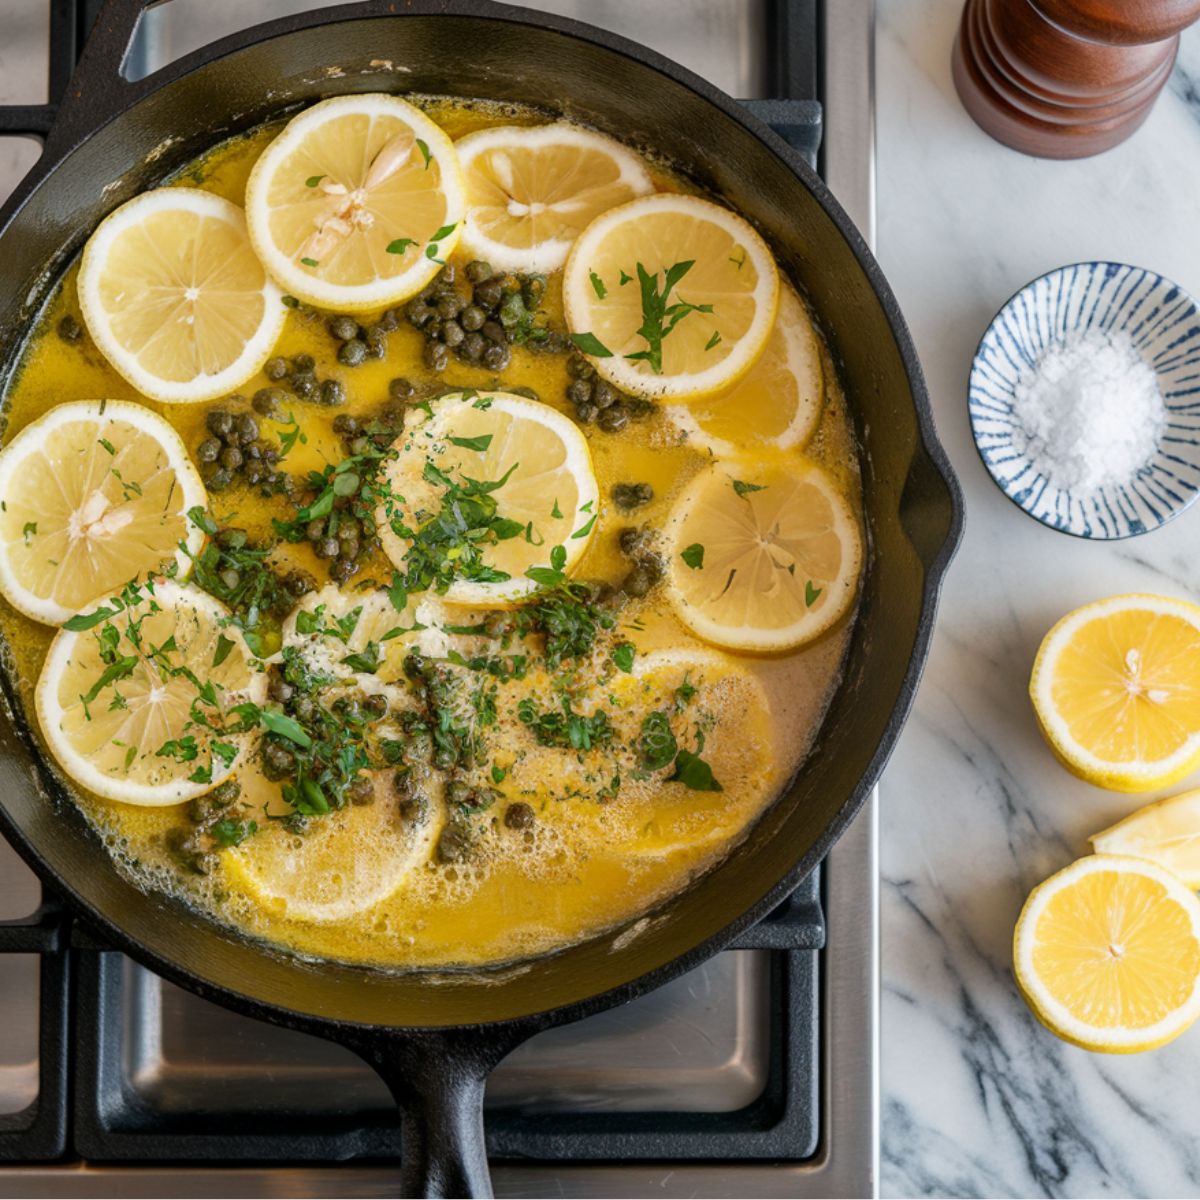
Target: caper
pixel 217 479
pixel 267 400
pixel 519 816
pixel 231 458
pixel 376 704
pixel 437 357
pixel 352 353
pixel 278 762
pixel 376 340
pixel 528 392
pixel 315 529
pixel 303 363
pixel 586 413
pixel 613 418
pixel 450 305
pixel 278 688
pixel 389 321
pixel 69 329
pixel 247 428
pixel 639 581
pixel 579 367
pixel 628 496
pixel 299 583
pixel 452 334
pixel 532 291
pixel 419 313
pixel 333 392
pixel 478 270
pixel 487 294
pixel 304 386
pixel 328 547
pixel 360 790
pixel 401 389
pixel 494 332
pixel 345 424
pixel 512 311
pixel 340 570
pixel 579 392
pixel 343 327
pixel 454 845
pixel 219 422
pixel 208 451
pixel 604 395
pixel 635 542
pixel 276 369
pixel 472 348
pixel 496 358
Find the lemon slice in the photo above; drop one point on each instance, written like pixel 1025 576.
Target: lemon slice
pixel 778 402
pixel 353 205
pixel 765 559
pixel 176 299
pixel 1116 689
pixel 532 190
pixel 1166 832
pixel 119 696
pixel 95 493
pixel 547 502
pixel 629 271
pixel 1107 953
pixel 345 862
pixel 656 818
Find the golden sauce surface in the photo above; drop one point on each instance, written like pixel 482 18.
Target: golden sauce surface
pixel 530 891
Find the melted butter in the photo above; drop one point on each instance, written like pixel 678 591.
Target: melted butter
pixel 525 892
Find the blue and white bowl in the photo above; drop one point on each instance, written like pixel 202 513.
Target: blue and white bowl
pixel 1163 323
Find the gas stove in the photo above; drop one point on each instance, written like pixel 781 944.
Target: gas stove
pixel 755 1075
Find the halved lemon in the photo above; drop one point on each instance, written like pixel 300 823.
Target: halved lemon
pixel 95 493
pixel 1116 689
pixel 122 688
pixel 356 203
pixel 534 465
pixel 762 557
pixel 1166 832
pixel 670 296
pixel 531 190
pixel 777 402
pixel 346 861
pixel 175 297
pixel 1107 953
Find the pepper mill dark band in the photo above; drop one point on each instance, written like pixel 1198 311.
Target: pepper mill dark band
pixel 1065 78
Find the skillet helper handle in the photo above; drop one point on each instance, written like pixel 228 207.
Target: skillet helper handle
pixel 438 1080
pixel 97 89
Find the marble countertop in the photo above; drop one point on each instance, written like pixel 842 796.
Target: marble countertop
pixel 978 1099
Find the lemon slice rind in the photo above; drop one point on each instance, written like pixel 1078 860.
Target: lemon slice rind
pixel 187 492
pixel 1050 1010
pixel 731 358
pixel 1166 832
pixel 96 253
pixel 548 255
pixel 302 281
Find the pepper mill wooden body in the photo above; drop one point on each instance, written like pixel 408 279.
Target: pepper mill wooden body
pixel 1065 78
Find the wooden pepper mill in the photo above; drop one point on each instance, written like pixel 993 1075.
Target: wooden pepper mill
pixel 1065 78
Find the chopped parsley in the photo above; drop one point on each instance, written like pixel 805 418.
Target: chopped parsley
pixel 598 285
pixel 693 556
pixel 400 245
pixel 811 593
pixel 744 489
pixel 659 315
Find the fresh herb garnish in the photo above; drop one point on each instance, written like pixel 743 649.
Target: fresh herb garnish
pixel 479 444
pixel 29 531
pixel 423 146
pixel 313 180
pixel 744 489
pixel 693 556
pixel 589 343
pixel 564 727
pixel 715 340
pixel 598 285
pixel 623 655
pixel 659 317
pixel 811 593
pixel 656 744
pixel 400 245
pixel 693 772
pixel 310 262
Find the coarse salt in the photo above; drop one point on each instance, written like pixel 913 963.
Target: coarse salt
pixel 1088 413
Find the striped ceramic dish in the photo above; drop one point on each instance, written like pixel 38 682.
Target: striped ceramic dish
pixel 1163 323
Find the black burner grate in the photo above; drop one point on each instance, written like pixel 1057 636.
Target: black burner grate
pixel 83 1110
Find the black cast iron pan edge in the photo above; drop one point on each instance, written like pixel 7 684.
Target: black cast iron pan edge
pixel 438 1075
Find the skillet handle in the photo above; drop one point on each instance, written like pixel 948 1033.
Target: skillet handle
pixel 438 1080
pixel 97 89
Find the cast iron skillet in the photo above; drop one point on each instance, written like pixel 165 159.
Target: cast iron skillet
pixel 434 1038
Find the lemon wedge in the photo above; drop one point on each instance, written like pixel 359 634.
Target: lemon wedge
pixel 1107 953
pixel 531 190
pixel 124 683
pixel 1116 689
pixel 764 559
pixel 346 861
pixel 95 493
pixel 670 296
pixel 175 297
pixel 357 202
pixel 537 500
pixel 777 403
pixel 1166 832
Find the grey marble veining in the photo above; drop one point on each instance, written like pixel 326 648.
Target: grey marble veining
pixel 978 1100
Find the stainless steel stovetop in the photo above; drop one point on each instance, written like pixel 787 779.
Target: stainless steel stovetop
pixel 697 1045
